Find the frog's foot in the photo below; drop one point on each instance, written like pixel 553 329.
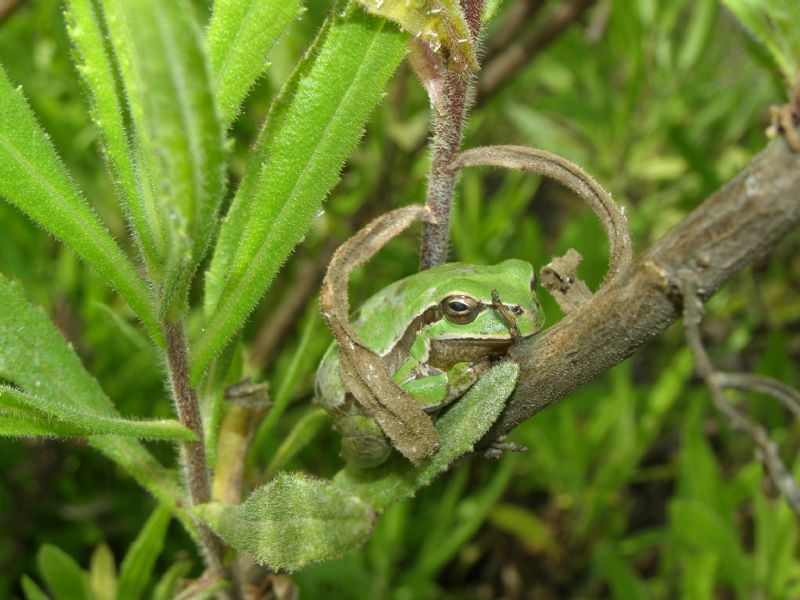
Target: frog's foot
pixel 363 442
pixel 784 121
pixel 500 445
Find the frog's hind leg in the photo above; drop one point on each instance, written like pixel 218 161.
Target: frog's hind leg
pixel 363 443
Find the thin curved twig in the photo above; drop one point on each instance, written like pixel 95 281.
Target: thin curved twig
pixel 569 174
pixel 768 452
pixel 364 373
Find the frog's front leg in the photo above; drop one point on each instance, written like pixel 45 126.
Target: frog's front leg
pixel 432 387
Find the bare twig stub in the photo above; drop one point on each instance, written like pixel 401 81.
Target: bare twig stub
pixel 540 162
pixel 737 224
pixel 559 277
pixel 363 372
pixel 717 382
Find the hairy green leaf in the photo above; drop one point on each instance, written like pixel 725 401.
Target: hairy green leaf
pixel 178 135
pixel 64 578
pixel 33 179
pixel 295 168
pixel 292 521
pixel 97 68
pixel 137 566
pixel 240 35
pixel 459 429
pixel 54 412
pixel 35 357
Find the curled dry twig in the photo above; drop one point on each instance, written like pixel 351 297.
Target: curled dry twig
pixel 559 276
pixel 718 382
pixel 364 373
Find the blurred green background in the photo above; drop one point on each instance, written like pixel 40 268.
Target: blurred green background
pixel 632 486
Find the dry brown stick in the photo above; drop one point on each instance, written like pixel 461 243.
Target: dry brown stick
pixel 767 448
pixel 734 226
pixel 364 373
pixel 498 71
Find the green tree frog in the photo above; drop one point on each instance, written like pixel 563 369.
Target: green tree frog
pixel 439 330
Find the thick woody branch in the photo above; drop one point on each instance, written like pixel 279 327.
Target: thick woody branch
pixel 737 224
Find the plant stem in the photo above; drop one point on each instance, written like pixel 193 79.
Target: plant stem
pixel 449 116
pixel 193 454
pixel 450 111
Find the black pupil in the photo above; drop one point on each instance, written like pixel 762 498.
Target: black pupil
pixel 458 306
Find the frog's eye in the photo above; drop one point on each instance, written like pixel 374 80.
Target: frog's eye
pixel 460 309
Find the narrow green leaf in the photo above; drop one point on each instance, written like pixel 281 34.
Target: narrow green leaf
pixel 470 515
pixel 25 423
pixel 459 429
pixel 167 586
pixel 240 212
pixel 775 24
pixel 177 132
pixel 103 573
pixel 535 534
pixel 64 578
pixel 35 357
pixel 295 169
pixel 301 435
pixel 240 35
pixel 137 566
pixel 97 68
pixel 292 521
pixel 33 179
pixel 85 424
pixel 32 590
pixel 290 377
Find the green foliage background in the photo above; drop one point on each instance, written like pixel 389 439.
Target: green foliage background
pixel 632 487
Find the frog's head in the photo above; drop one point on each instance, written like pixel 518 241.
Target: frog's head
pixel 487 307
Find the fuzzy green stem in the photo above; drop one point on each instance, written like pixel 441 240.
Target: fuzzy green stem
pixel 450 112
pixel 193 454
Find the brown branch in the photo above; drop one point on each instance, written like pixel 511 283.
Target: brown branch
pixel 734 226
pixel 501 69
